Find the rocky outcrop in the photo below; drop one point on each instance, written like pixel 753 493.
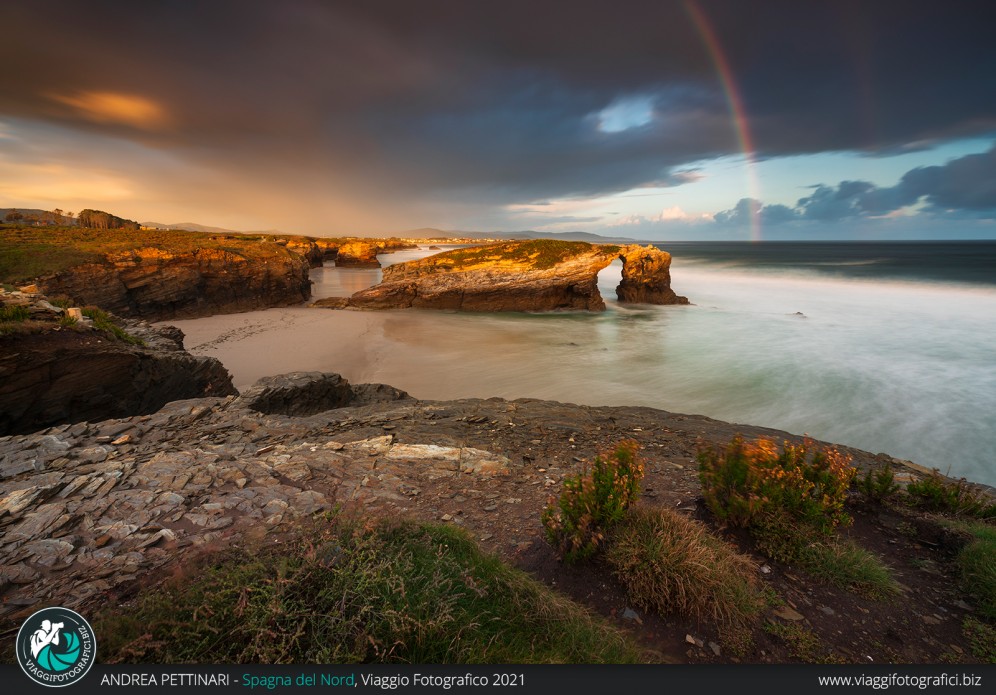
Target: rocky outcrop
pixel 646 277
pixel 307 393
pixel 362 253
pixel 305 247
pixel 357 254
pixel 540 275
pixel 160 284
pixel 95 512
pixel 516 276
pixel 331 303
pixel 51 372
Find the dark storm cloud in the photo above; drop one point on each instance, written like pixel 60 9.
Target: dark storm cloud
pixel 743 213
pixel 494 102
pixel 963 185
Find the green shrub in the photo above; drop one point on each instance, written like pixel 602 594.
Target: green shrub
pixel 670 563
pixel 102 321
pixel 879 485
pixel 592 501
pixel 14 313
pixel 392 592
pixel 67 320
pixel 755 485
pixel 792 502
pixel 935 493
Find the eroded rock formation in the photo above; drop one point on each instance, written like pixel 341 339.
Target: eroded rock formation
pixel 539 275
pixel 357 254
pixel 161 284
pixel 53 373
pixel 307 393
pixel 362 253
pixel 646 277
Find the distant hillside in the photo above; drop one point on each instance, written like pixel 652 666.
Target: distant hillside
pixel 194 227
pixel 430 233
pixel 421 233
pixel 31 215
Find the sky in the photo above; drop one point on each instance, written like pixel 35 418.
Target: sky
pixel 691 119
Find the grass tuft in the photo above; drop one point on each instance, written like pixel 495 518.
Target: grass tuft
pixel 670 563
pixel 103 321
pixel 14 313
pixel 802 643
pixel 395 592
pixel 849 566
pixel 982 637
pixel 977 566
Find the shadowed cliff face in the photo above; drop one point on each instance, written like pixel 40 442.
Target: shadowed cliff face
pixel 166 274
pixel 540 275
pixel 159 284
pixel 53 374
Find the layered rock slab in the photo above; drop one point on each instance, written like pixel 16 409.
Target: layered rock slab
pixel 539 275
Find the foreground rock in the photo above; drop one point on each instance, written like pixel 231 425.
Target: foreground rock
pixel 52 373
pixel 307 393
pixel 92 512
pixel 540 275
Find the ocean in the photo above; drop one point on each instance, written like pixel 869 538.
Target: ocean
pixel 887 347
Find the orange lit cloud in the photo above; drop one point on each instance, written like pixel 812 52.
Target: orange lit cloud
pixel 111 107
pixel 53 183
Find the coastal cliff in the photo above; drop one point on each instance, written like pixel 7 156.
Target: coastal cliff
pixel 160 284
pixel 54 369
pixel 539 275
pixel 346 252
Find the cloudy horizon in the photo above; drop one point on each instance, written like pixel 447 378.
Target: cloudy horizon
pixel 696 119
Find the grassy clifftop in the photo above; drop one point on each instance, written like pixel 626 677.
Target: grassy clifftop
pixel 30 252
pixel 538 254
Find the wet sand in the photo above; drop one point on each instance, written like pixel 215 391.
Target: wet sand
pixel 263 343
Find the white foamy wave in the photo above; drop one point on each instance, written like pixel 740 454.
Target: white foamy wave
pixel 901 367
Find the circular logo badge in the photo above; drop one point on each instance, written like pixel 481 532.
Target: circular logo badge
pixel 56 647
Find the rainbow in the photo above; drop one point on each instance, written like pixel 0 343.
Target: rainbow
pixel 737 111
